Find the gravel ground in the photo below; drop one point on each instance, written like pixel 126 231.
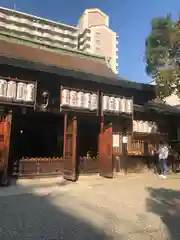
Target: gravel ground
pixel 138 206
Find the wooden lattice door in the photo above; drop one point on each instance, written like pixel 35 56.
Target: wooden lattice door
pixel 106 151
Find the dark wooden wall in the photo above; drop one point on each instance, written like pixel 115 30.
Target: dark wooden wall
pixel 52 82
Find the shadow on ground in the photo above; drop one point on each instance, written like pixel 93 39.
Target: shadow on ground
pixel 166 204
pixel 34 217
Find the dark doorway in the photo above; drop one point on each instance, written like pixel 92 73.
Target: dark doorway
pixel 36 135
pixel 87 145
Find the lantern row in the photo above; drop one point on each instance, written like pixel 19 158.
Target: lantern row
pixel 144 127
pixel 75 99
pixel 11 90
pixel 115 104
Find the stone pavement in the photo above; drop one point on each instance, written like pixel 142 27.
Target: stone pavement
pixel 137 206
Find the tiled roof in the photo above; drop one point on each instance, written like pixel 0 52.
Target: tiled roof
pixel 65 61
pixel 63 64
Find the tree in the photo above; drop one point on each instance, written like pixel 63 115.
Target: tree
pixel 162 55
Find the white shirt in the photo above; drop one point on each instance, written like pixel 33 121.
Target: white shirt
pixel 163 152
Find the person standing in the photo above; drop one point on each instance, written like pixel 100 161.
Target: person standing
pixel 163 153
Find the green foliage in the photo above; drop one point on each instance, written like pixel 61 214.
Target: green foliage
pixel 162 55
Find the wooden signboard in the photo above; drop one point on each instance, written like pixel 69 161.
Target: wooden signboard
pixel 70 139
pixel 106 151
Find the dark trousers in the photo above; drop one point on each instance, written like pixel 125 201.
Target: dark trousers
pixel 163 166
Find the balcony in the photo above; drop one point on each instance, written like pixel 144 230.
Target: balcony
pixel 24 20
pixel 58 45
pixel 37 33
pixel 48 27
pixel 2 15
pixel 46 35
pixel 12 18
pixel 23 29
pixel 58 38
pixel 47 42
pixel 3 24
pixel 37 25
pixel 56 29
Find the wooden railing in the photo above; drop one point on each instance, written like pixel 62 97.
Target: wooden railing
pixel 88 165
pixel 52 166
pixel 39 166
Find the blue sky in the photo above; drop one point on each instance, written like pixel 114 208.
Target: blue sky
pixel 129 18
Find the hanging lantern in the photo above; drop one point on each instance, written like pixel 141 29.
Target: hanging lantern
pixel 135 126
pixel 80 99
pixel 146 127
pixel 30 92
pixel 11 90
pixel 129 105
pixel 150 125
pixel 65 99
pixel 21 91
pixel 94 102
pixel 117 104
pixel 154 127
pixel 3 88
pixel 122 105
pixel 105 102
pixel 141 126
pixel 111 104
pixel 73 98
pixel 87 99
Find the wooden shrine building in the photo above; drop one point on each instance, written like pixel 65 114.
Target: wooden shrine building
pixel 66 113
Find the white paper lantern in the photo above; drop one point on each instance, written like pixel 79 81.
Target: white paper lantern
pixel 111 104
pixel 11 90
pixel 3 88
pixel 129 105
pixel 105 102
pixel 135 126
pixel 150 125
pixel 65 99
pixel 138 126
pixel 146 127
pixel 123 105
pixel 141 126
pixel 73 98
pixel 94 102
pixel 80 99
pixel 154 127
pixel 87 100
pixel 21 91
pixel 117 104
pixel 30 92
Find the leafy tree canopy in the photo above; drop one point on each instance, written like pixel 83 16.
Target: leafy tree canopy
pixel 162 55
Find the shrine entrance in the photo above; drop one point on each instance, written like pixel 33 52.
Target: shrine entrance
pixel 87 145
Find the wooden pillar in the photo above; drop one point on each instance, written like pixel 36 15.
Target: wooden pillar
pixel 70 149
pixel 5 135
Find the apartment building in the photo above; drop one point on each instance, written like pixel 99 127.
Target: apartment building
pixel 96 37
pixel 92 35
pixel 27 26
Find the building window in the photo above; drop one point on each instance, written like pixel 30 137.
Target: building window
pixel 97 33
pixel 97 48
pixel 97 41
